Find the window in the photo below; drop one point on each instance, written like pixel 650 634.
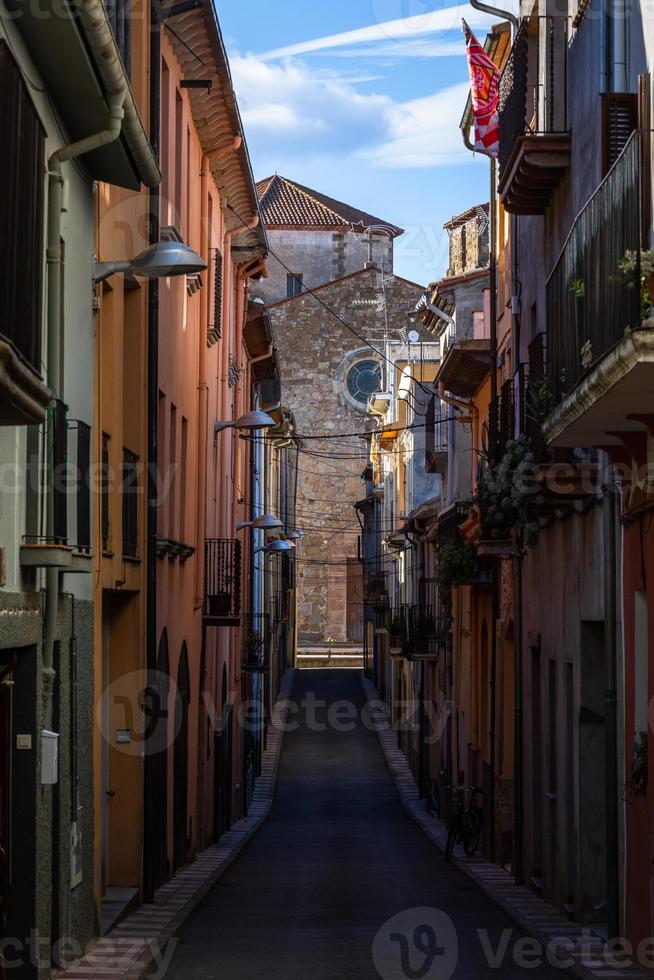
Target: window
pixel 130 501
pixel 215 329
pixel 179 156
pixel 363 379
pixel 294 284
pixel 21 214
pixel 105 491
pixel 172 462
pixel 182 482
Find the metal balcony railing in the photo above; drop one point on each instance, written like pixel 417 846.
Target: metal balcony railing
pixel 533 84
pixel 421 631
pixel 222 581
pixel 594 291
pixel 376 588
pixel 257 636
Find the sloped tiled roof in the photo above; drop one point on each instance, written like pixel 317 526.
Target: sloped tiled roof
pixel 285 204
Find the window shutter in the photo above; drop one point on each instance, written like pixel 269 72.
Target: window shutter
pixel 619 119
pixel 215 328
pixel 21 213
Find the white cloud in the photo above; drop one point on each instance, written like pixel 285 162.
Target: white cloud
pixel 424 132
pixel 406 28
pixel 316 110
pixel 291 111
pixel 395 50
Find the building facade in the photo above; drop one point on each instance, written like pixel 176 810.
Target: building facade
pixel 322 270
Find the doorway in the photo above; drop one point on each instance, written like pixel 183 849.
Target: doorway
pixel 6 667
pixel 180 795
pixel 222 782
pixel 354 625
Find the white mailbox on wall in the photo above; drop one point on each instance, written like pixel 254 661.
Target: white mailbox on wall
pixel 49 758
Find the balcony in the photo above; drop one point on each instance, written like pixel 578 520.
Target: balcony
pixel 600 352
pixel 422 631
pixel 222 582
pixel 465 367
pixel 376 590
pixel 68 549
pixel 257 637
pixel 502 420
pixel 435 437
pixel 534 148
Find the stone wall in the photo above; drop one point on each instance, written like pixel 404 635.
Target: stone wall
pixel 319 256
pixel 312 347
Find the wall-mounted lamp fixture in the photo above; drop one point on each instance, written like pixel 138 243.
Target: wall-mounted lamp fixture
pixel 267 522
pixel 250 421
pixel 159 261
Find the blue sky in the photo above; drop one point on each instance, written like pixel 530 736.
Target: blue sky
pixel 361 100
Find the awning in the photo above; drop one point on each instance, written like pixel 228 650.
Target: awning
pixel 73 75
pixel 466 365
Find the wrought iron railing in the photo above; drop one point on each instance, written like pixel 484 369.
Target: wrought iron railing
pixel 376 588
pixel 257 636
pixel 421 630
pixel 534 395
pixel 70 441
pixel 594 291
pixel 533 84
pixel 59 462
pixel 222 581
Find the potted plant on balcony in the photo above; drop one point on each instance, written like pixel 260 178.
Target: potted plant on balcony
pixel 376 593
pixel 509 497
pixel 629 273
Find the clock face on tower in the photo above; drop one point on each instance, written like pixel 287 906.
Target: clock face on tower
pixel 363 379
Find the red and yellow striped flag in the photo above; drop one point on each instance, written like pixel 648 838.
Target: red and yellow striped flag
pixel 484 92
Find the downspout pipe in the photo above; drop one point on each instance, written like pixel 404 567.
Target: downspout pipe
pixel 619 60
pixel 497 12
pixel 107 135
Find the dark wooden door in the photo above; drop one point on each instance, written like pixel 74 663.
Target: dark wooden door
pixel 5 747
pixel 180 795
pixel 354 600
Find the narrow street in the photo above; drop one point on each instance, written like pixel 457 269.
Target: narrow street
pixel 337 858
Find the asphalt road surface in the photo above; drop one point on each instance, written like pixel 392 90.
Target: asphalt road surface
pixel 340 883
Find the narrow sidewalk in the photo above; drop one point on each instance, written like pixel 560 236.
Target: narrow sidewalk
pixel 138 944
pixel 532 914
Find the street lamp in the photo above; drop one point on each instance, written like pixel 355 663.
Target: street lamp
pixel 277 546
pixel 295 535
pixel 158 261
pixel 251 420
pixel 267 522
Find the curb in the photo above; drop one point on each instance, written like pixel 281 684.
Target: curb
pixel 139 941
pixel 532 914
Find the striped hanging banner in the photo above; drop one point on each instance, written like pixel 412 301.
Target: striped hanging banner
pixel 484 92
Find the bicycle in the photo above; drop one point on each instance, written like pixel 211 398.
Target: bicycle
pixel 465 823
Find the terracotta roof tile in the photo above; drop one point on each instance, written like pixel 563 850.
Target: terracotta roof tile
pixel 287 204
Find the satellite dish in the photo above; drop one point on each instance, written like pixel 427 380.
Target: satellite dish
pixel 414 336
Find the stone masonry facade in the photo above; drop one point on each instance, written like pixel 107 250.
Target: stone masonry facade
pixel 315 352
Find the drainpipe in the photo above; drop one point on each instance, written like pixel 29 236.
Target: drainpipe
pixel 605 45
pixel 619 24
pixel 54 329
pixel 497 12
